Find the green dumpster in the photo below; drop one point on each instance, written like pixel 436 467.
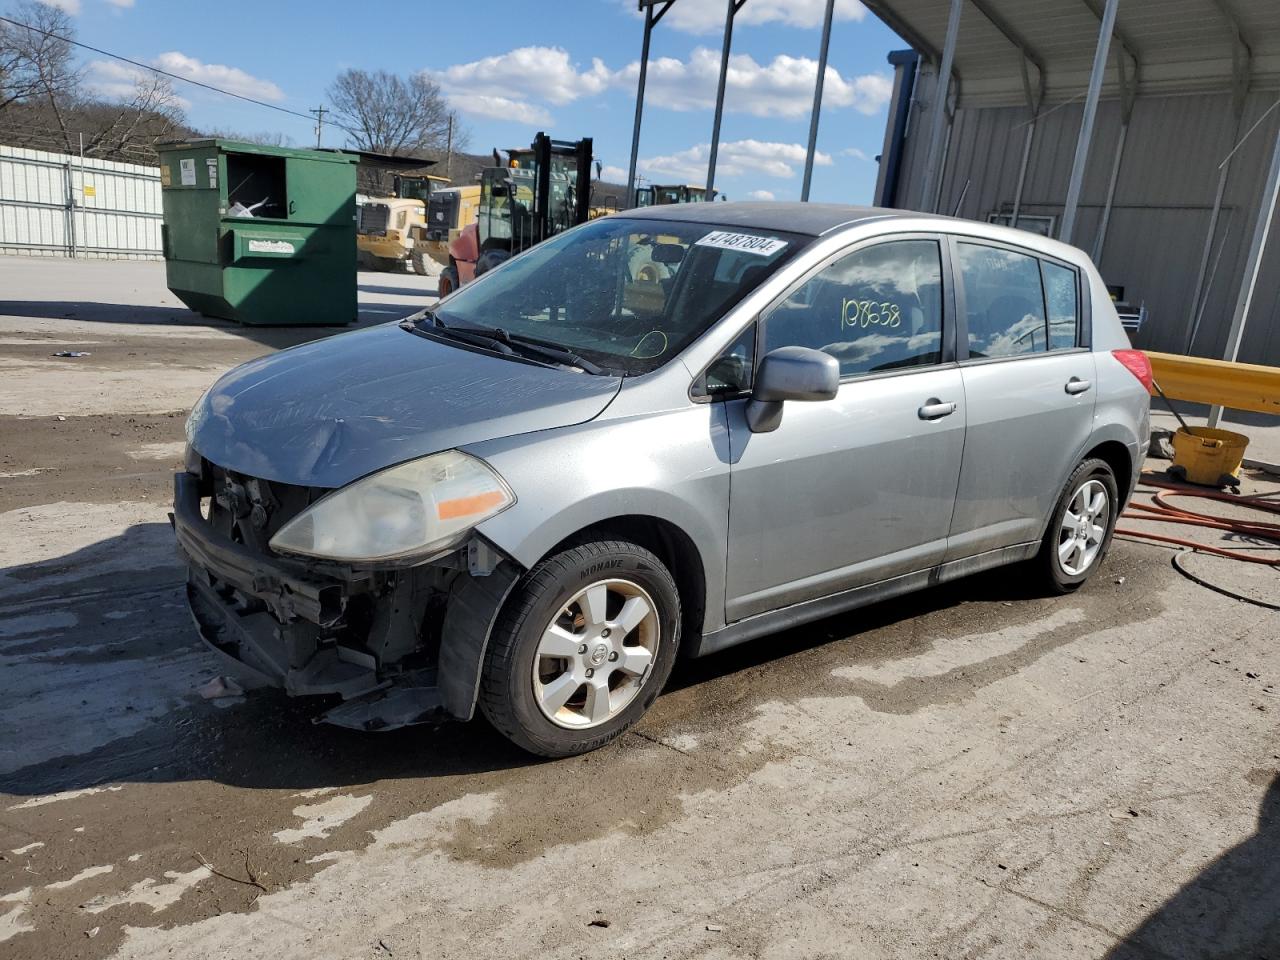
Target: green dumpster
pixel 260 235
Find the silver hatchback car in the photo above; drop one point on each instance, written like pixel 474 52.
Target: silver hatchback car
pixel 658 434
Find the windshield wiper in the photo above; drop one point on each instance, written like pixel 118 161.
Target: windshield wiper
pixel 552 351
pixel 507 343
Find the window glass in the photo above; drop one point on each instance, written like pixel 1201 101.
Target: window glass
pixel 877 309
pixel 626 294
pixel 1004 302
pixel 731 371
pixel 1064 311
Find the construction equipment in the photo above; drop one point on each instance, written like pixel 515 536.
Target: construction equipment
pixel 449 211
pixel 384 228
pixel 531 195
pixel 655 195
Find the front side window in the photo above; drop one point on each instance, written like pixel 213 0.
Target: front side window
pixel 1004 302
pixel 627 294
pixel 874 310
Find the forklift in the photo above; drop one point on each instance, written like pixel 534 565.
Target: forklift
pixel 527 196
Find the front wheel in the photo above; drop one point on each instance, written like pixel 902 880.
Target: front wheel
pixel 582 649
pixel 448 281
pixel 1081 527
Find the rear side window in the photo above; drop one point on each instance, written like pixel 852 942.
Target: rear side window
pixel 1062 300
pixel 1004 302
pixel 874 310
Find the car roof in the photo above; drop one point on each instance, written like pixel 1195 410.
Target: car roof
pixel 813 219
pixel 817 219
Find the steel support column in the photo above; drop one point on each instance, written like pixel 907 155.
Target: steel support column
pixel 1127 97
pixel 731 10
pixel 1241 77
pixel 932 175
pixel 1253 264
pixel 650 21
pixel 1081 159
pixel 1034 102
pixel 817 100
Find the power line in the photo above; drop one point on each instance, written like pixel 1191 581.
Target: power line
pixel 163 73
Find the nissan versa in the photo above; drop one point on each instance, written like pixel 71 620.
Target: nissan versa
pixel 655 435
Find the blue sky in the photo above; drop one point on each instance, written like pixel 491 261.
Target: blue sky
pixel 566 66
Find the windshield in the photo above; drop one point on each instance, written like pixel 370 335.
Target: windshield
pixel 626 294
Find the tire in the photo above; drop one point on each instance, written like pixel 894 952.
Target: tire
pixel 419 261
pixel 565 621
pixel 448 281
pixel 1064 574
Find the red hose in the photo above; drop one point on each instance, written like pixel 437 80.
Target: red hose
pixel 1164 512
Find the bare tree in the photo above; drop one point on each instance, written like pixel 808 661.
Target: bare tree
pixel 44 104
pixel 386 113
pixel 35 58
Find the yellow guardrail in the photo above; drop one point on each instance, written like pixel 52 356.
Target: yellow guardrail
pixel 1240 386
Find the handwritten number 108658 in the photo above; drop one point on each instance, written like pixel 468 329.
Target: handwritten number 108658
pixel 870 313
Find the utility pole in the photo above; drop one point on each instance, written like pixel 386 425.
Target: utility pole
pixel 448 151
pixel 319 112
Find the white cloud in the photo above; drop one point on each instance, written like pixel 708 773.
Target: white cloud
pixel 501 108
pixel 71 6
pixel 781 88
pixel 484 87
pixel 736 158
pixel 514 85
pixel 762 195
pixel 707 16
pixel 122 4
pixel 855 153
pixel 537 73
pixel 119 81
pixel 613 174
pixel 231 79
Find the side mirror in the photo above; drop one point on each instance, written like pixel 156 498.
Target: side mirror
pixel 790 373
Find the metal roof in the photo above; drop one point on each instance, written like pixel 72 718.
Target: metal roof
pixel 1178 46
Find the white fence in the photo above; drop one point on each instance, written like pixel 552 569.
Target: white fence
pixel 59 205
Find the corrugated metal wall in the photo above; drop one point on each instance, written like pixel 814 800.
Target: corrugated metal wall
pixel 54 204
pixel 1160 216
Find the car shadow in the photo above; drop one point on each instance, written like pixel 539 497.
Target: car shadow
pixel 1230 909
pixel 100 638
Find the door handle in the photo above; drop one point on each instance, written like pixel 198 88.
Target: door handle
pixel 935 409
pixel 1076 385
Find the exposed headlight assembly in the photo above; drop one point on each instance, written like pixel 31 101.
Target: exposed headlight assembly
pixel 419 507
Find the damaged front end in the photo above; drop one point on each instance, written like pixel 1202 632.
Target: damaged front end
pixel 398 641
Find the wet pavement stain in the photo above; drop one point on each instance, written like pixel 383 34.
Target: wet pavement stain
pixel 209 786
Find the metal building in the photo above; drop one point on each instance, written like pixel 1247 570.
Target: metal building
pixel 1171 186
pixel 60 205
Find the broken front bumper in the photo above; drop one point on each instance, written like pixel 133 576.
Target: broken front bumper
pixel 312 629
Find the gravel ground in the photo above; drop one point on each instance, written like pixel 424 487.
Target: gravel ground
pixel 973 771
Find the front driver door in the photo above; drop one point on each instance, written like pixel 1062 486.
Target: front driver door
pixel 859 488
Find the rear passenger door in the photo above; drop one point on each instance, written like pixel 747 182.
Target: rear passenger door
pixel 1028 382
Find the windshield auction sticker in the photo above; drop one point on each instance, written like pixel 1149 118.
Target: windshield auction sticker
pixel 747 243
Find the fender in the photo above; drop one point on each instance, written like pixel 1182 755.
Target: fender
pixel 472 611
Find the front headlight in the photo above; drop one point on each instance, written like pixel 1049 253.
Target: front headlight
pixel 418 507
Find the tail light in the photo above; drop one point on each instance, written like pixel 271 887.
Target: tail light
pixel 1137 363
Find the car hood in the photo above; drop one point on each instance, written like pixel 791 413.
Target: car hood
pixel 329 412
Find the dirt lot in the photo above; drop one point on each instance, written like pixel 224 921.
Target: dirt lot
pixel 972 771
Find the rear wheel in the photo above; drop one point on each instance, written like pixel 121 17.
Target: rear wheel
pixel 1081 527
pixel 419 260
pixel 582 649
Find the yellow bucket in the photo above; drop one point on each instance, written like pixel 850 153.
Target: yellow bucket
pixel 1207 456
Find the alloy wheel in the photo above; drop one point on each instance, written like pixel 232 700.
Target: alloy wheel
pixel 595 654
pixel 1084 527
